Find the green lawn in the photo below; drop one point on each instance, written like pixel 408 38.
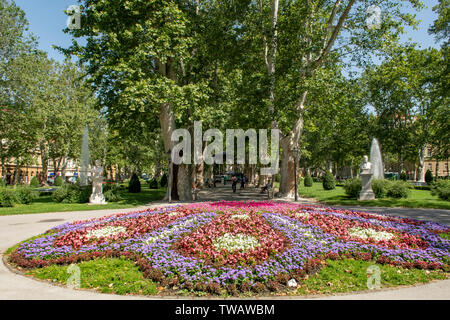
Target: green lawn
pixel 416 199
pixel 45 203
pixel 113 275
pixel 122 276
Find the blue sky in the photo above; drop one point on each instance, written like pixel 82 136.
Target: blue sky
pixel 47 20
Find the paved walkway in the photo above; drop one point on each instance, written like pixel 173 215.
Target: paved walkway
pixel 14 229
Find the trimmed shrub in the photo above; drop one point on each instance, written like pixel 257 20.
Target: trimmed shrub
pixel 34 183
pixel 71 193
pixel 163 182
pixel 328 181
pixel 8 198
pixel 441 188
pixel 308 180
pixel 112 192
pixel 380 187
pixel 134 185
pixel 26 195
pixel 58 181
pixel 403 176
pixel 429 177
pixel 398 189
pixel 353 187
pixel 153 184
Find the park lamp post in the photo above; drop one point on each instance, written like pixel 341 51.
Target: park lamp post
pixel 296 152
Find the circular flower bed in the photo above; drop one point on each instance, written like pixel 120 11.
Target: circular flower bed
pixel 238 246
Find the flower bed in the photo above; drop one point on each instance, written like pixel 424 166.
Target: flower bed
pixel 238 246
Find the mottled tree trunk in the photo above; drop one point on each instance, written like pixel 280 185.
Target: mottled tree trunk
pixel 287 143
pixel 421 167
pixel 44 160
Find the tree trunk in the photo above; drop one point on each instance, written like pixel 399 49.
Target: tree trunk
pixel 421 167
pixel 167 122
pixel 44 160
pixel 287 143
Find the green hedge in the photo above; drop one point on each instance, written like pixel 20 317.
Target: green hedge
pixel 112 192
pixel 381 188
pixel 429 177
pixel 72 193
pixel 441 188
pixel 352 187
pixel 134 185
pixel 58 181
pixel 163 182
pixel 308 182
pixel 34 183
pixel 20 195
pixel 328 181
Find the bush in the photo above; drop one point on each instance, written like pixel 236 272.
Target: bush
pixel 353 187
pixel 380 187
pixel 8 198
pixel 403 176
pixel 112 192
pixel 163 181
pixel 58 181
pixel 308 180
pixel 134 185
pixel 26 195
pixel 398 189
pixel 2 183
pixel 153 184
pixel 328 181
pixel 429 177
pixel 72 193
pixel 34 183
pixel 441 188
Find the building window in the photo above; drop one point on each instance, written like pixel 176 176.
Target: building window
pixel 429 152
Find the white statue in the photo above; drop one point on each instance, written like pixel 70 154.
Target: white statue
pixel 97 196
pixel 366 179
pixel 365 166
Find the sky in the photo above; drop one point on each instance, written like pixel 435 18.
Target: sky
pixel 47 20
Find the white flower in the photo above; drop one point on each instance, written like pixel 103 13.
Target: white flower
pixel 236 242
pixel 240 216
pixel 105 232
pixel 370 233
pixel 302 215
pixel 172 230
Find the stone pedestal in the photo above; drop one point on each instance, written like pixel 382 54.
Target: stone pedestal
pixel 366 191
pixel 97 199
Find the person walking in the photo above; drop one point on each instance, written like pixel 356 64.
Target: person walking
pixel 243 182
pixel 234 183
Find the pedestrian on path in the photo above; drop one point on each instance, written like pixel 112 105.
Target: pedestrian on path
pixel 234 183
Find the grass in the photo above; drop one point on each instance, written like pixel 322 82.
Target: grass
pixel 113 275
pixel 122 276
pixel 341 276
pixel 337 196
pixel 45 204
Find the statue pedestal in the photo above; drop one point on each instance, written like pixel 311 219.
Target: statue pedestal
pixel 366 191
pixel 97 199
